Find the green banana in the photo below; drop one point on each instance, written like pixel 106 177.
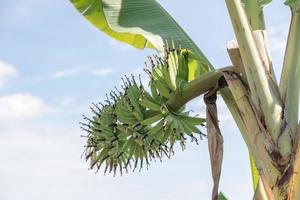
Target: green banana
pixel 149 104
pixel 153 119
pixel 163 89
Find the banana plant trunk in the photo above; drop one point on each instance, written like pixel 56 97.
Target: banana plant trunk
pixel 268 161
pixel 264 111
pixel 278 175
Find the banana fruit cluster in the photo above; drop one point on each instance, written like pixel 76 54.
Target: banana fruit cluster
pixel 135 126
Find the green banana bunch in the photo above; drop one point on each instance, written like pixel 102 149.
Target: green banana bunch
pixel 169 74
pixel 134 127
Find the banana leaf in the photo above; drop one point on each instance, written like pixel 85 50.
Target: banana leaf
pixel 254 173
pixel 142 24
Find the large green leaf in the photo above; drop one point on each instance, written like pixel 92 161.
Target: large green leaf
pixel 92 10
pixel 254 172
pixel 140 23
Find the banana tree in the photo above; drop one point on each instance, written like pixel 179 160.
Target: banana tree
pixel 136 125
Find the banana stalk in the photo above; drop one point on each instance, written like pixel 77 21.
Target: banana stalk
pixel 263 93
pixel 289 90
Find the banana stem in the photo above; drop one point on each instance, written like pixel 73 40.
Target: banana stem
pixel 290 76
pixel 197 87
pixel 264 93
pixel 255 14
pixel 294 190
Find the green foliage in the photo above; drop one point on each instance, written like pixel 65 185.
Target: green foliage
pixel 140 23
pixel 221 196
pixel 294 4
pixel 135 126
pixel 261 3
pixel 254 172
pixel 94 12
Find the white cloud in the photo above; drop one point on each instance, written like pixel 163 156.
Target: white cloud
pixel 79 71
pixel 75 71
pixel 21 106
pixel 277 38
pixel 66 72
pixel 101 72
pixel 7 72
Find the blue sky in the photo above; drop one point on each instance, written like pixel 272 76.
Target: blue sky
pixel 53 64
